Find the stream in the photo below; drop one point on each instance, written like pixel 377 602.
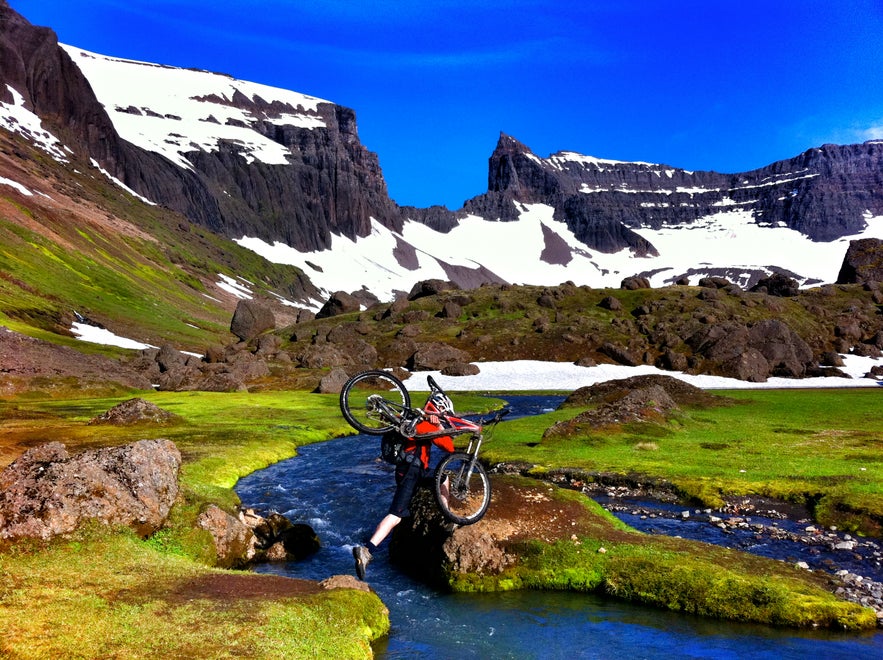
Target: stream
pixel 341 491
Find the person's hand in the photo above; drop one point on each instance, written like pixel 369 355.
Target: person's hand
pixel 433 419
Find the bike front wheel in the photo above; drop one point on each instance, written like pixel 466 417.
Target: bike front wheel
pixel 374 402
pixel 462 489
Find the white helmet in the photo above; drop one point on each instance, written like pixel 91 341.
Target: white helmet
pixel 440 402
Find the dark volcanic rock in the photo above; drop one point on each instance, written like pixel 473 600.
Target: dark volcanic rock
pixel 250 319
pixel 340 302
pixel 47 492
pixel 822 193
pixel 863 262
pixel 777 284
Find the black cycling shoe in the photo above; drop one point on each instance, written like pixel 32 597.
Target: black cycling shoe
pixel 363 557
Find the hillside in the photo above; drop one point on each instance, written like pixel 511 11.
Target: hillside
pixel 152 200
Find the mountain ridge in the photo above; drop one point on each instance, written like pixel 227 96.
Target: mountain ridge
pixel 218 216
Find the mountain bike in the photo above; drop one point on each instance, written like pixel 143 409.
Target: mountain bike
pixel 376 402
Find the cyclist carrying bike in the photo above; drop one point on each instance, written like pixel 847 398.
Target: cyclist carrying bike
pixel 412 470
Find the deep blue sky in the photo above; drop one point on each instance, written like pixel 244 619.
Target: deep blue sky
pixel 697 84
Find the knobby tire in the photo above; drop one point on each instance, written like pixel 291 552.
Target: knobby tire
pixel 356 395
pixel 470 489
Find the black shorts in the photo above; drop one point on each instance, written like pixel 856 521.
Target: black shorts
pixel 409 477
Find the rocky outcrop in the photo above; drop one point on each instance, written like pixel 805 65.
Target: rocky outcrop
pixel 753 352
pixel 863 262
pixel 136 411
pixel 47 492
pixel 222 369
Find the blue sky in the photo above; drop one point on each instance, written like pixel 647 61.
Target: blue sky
pixel 701 85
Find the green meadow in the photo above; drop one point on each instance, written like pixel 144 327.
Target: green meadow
pixel 107 593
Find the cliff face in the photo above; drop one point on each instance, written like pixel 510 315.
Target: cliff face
pixel 327 182
pixel 824 193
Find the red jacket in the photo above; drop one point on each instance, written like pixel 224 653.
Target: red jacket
pixel 445 442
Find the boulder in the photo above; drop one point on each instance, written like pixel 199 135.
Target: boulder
pixel 433 355
pixel 332 382
pixel 461 369
pixel 135 411
pixel 450 310
pixel 753 353
pixel 863 262
pixel 47 492
pixel 234 540
pixel 635 282
pixel 338 303
pixel 611 303
pixel 777 284
pixel 169 358
pixel 430 288
pixel 250 319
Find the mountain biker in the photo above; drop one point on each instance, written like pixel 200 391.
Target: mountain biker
pixel 412 471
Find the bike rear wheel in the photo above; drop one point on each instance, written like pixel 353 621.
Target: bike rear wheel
pixel 374 402
pixel 468 486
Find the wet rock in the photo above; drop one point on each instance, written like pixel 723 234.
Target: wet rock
pixel 278 539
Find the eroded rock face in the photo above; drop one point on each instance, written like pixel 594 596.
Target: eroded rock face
pixel 47 492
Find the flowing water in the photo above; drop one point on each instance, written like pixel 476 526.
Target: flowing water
pixel 339 489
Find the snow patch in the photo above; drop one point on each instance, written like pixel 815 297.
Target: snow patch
pixel 96 335
pixel 566 376
pixel 16 118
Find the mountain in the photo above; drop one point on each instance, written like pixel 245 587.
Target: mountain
pixel 151 199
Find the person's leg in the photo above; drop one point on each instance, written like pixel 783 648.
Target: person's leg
pixel 406 485
pixel 384 527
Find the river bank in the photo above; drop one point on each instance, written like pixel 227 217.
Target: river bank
pixel 767 527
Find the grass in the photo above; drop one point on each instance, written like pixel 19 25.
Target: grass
pixel 673 574
pixel 823 448
pixel 106 593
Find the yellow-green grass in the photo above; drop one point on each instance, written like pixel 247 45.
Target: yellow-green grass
pixel 820 447
pixel 105 593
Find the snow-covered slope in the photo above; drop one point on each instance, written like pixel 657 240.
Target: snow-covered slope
pixel 173 111
pixel 726 241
